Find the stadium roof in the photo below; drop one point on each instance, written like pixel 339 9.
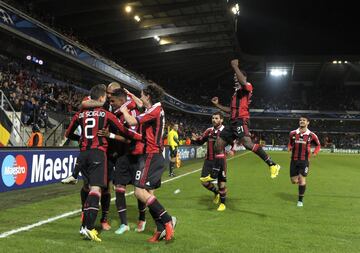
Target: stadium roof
pixel 196 37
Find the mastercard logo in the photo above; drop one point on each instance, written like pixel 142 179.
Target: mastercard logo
pixel 14 170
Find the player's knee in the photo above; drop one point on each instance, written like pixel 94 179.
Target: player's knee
pixel 294 181
pixel 95 189
pixel 120 189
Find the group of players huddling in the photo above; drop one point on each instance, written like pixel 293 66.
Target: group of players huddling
pixel 121 141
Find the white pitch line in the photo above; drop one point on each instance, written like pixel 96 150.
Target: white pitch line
pixel 67 214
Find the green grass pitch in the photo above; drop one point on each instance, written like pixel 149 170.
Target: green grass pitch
pixel 261 214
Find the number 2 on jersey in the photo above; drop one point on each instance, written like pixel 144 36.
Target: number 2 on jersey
pixel 89 125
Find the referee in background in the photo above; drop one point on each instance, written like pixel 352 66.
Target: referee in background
pixel 173 140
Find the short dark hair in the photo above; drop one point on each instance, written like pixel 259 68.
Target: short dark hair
pixel 244 73
pixel 97 91
pixel 219 113
pixel 119 93
pixel 155 92
pixel 305 117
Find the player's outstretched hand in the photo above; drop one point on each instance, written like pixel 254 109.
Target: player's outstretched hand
pixel 104 132
pixel 194 137
pixel 234 63
pixel 215 100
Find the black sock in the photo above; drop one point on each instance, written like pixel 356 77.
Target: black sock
pixel 121 204
pixel 91 209
pixel 83 194
pixel 105 204
pixel 211 187
pixel 171 167
pixel 258 150
pixel 302 189
pixel 159 225
pixel 158 209
pixel 222 192
pixel 142 210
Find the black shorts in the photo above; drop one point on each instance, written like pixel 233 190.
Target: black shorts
pixel 124 169
pixel 299 168
pixel 173 152
pixel 149 171
pixel 208 167
pixel 236 130
pixel 93 167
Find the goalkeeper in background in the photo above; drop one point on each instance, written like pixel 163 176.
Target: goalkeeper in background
pixel 173 140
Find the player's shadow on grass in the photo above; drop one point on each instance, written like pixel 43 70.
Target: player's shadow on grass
pixel 286 196
pixel 231 204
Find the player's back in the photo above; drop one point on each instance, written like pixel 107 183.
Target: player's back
pixel 91 121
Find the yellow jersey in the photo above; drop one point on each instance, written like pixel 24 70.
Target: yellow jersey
pixel 173 138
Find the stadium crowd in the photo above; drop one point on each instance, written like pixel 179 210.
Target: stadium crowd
pixel 276 98
pixel 30 94
pixel 25 86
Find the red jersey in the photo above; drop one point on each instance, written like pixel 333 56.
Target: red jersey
pixel 153 123
pixel 300 144
pixel 136 147
pixel 240 100
pixel 92 120
pixel 209 136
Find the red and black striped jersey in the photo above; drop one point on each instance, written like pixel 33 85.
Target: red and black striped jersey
pixel 300 144
pixel 92 120
pixel 210 135
pixel 136 147
pixel 241 100
pixel 153 123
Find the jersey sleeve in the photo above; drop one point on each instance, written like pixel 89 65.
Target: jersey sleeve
pixel 203 138
pixel 291 141
pixel 130 105
pixel 72 127
pixel 248 87
pixel 315 140
pixel 147 116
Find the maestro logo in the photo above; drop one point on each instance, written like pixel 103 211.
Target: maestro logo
pixel 14 170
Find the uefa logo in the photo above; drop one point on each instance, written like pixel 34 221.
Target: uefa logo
pixel 6 17
pixel 69 49
pixel 14 170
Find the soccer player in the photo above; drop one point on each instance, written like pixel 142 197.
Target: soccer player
pixel 300 141
pixel 127 160
pixel 239 124
pixel 210 136
pixel 151 164
pixel 173 140
pixel 92 160
pixel 87 102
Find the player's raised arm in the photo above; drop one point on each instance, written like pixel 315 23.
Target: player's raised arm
pixel 137 100
pixel 130 119
pixel 240 76
pixel 124 130
pixel 215 101
pixel 90 104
